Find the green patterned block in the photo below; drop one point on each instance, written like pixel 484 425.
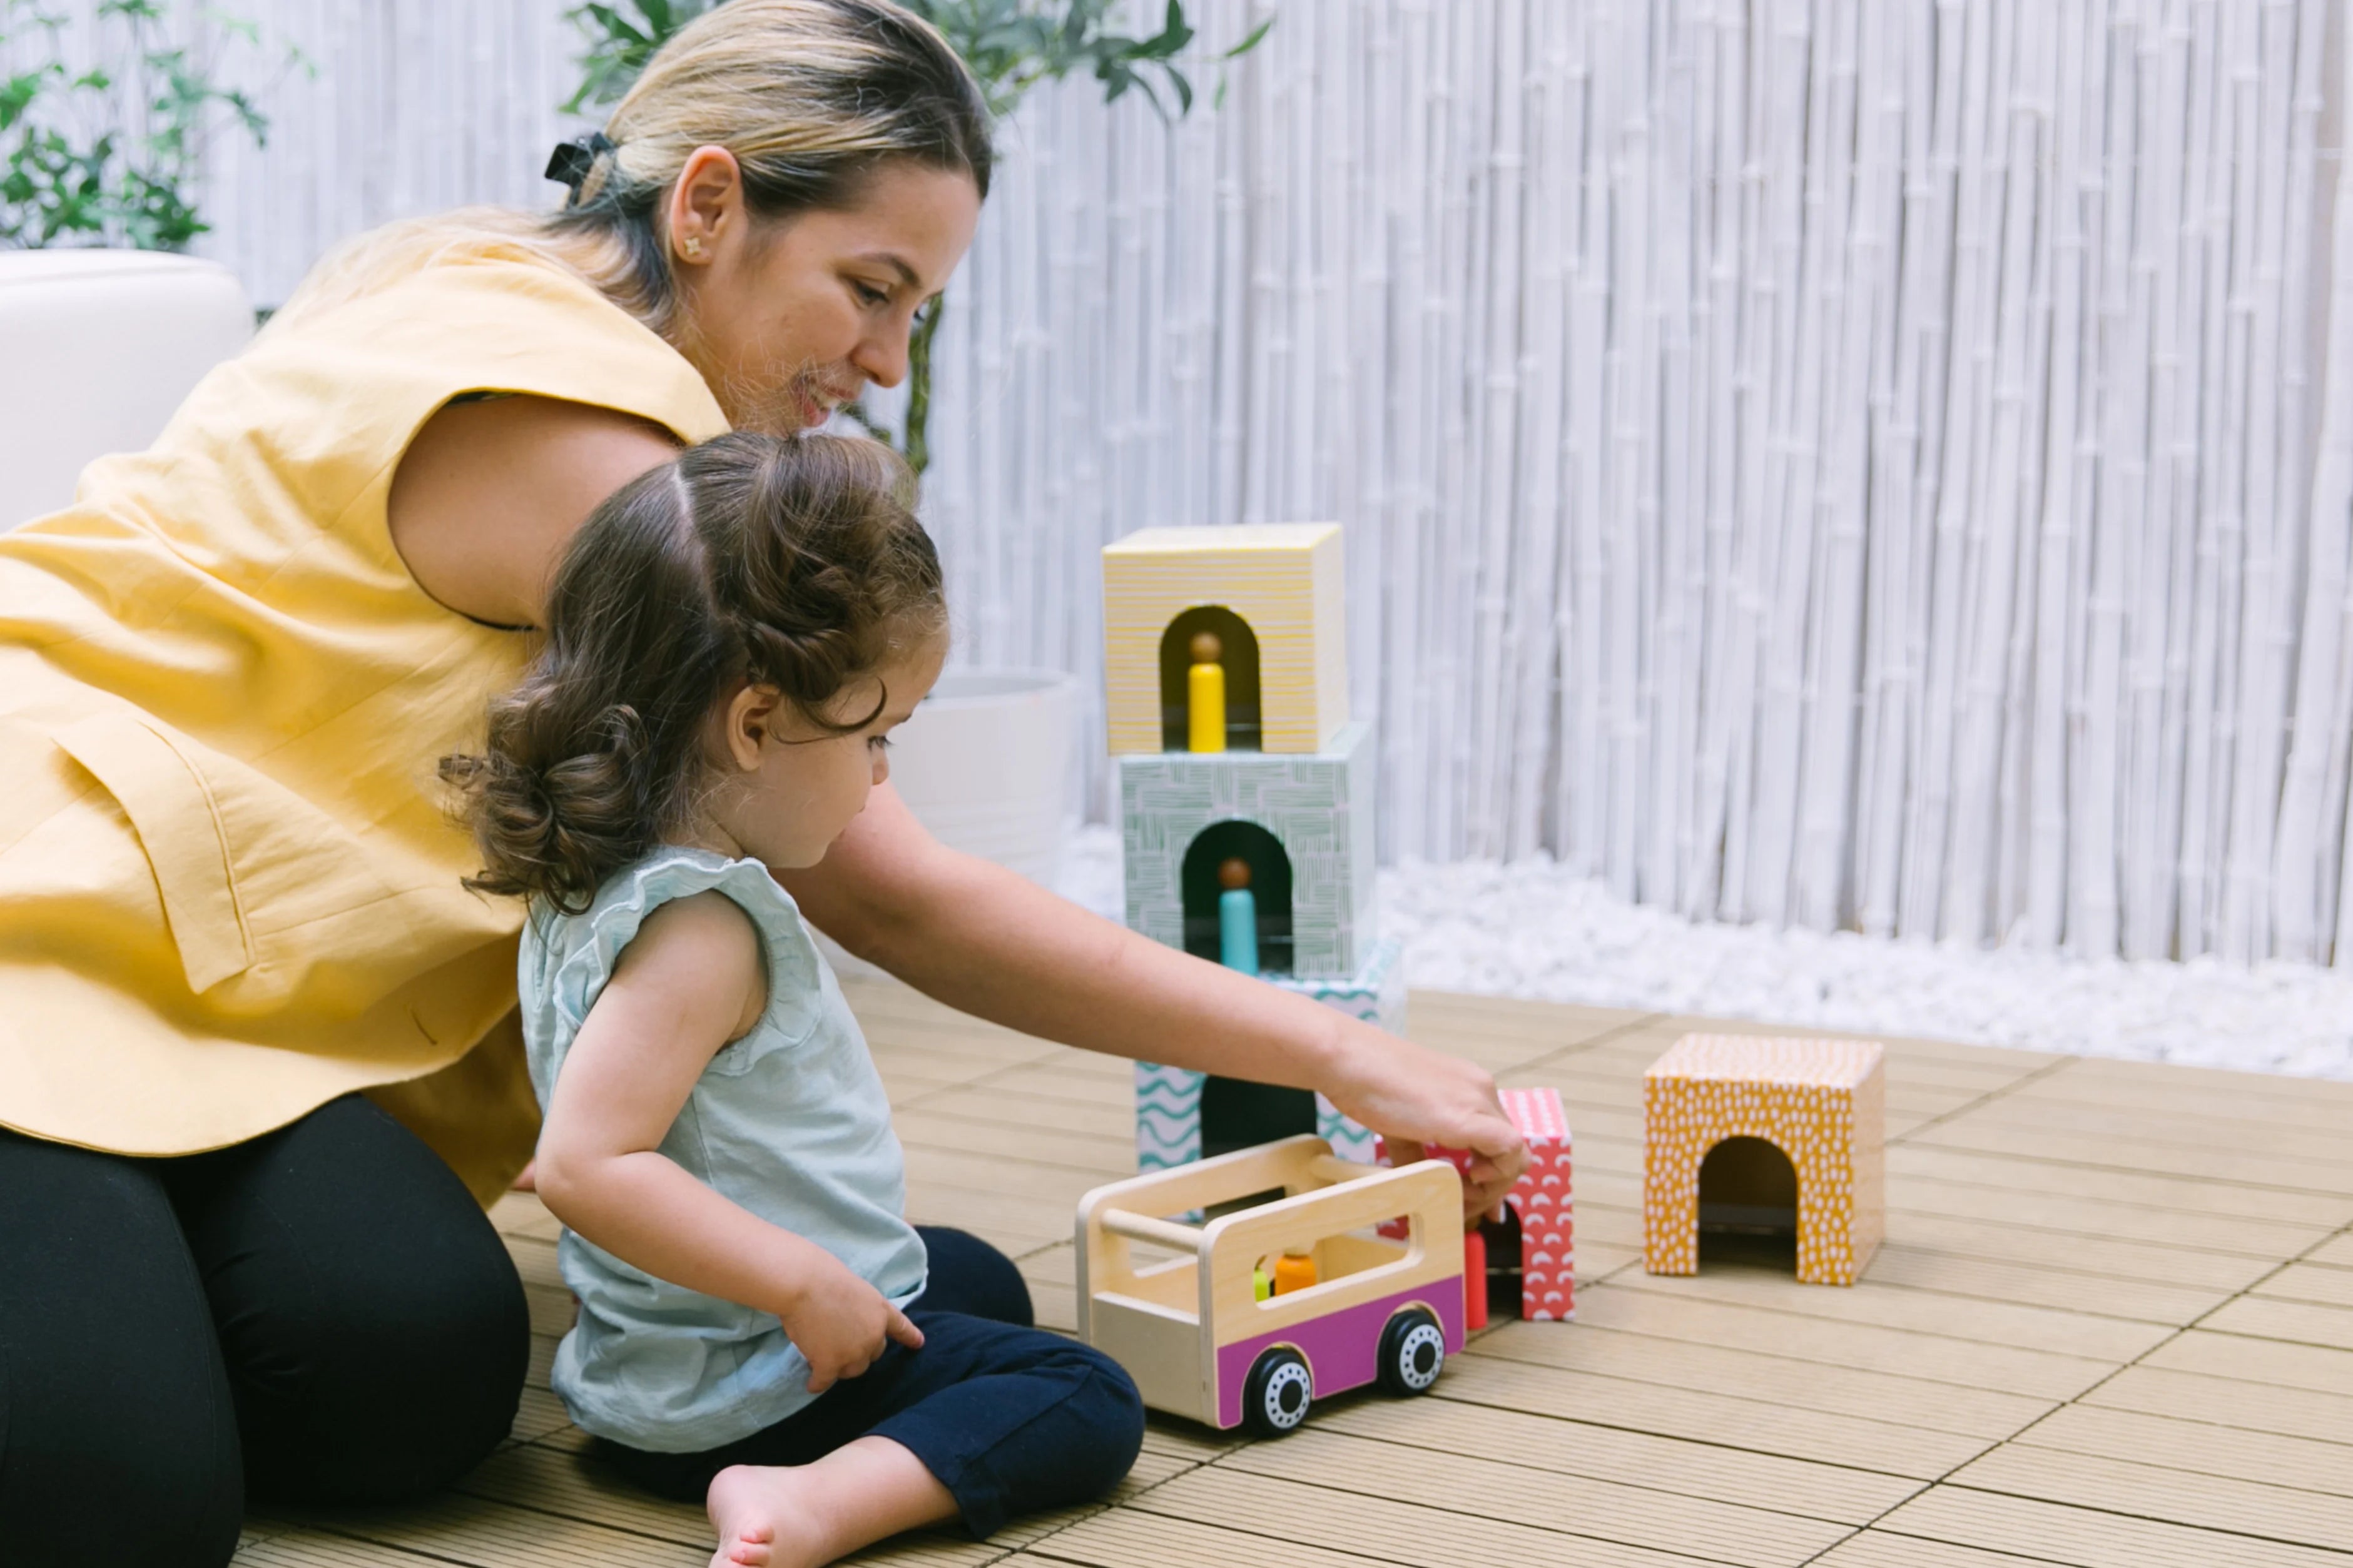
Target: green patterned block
pixel 1169 1099
pixel 1318 806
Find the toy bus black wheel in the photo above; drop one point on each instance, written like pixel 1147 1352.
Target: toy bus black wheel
pixel 1413 1352
pixel 1276 1399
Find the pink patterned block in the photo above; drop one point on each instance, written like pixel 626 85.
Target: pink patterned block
pixel 1541 1198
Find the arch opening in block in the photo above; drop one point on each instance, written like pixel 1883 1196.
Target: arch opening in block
pixel 1236 655
pixel 1748 1198
pixel 1506 1272
pixel 1203 879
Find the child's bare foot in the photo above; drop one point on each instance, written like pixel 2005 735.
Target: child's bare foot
pixel 799 1516
pixel 766 1517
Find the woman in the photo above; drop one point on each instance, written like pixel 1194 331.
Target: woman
pixel 251 1023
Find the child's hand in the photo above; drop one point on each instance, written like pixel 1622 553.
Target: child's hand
pixel 840 1323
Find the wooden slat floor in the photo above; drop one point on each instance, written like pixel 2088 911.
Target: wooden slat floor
pixel 2112 1327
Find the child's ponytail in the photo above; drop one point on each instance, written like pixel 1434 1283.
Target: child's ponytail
pixel 793 563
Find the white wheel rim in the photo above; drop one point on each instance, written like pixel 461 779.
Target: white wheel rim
pixel 1278 1382
pixel 1420 1334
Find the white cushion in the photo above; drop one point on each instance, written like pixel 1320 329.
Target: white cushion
pixel 97 349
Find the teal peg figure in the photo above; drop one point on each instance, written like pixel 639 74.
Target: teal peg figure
pixel 1237 917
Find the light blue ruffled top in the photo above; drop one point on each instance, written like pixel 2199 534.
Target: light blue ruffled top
pixel 790 1122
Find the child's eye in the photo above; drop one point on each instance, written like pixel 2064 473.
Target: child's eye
pixel 879 743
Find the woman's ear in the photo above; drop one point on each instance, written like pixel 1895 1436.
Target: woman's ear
pixel 705 205
pixel 750 724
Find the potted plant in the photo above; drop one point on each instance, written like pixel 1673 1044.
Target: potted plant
pixel 104 151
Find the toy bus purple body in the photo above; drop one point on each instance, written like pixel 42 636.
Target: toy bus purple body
pixel 1342 1347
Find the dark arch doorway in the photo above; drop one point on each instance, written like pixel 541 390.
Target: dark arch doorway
pixel 1270 885
pixel 1235 1114
pixel 1748 1205
pixel 1239 655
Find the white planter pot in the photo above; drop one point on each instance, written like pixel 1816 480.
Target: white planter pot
pixel 986 765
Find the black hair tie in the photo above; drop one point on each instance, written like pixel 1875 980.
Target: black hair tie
pixel 569 165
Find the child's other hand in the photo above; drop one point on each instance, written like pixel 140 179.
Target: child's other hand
pixel 840 1324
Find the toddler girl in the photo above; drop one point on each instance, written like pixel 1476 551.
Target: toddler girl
pixel 729 641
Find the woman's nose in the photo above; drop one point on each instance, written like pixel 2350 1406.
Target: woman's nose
pixel 882 357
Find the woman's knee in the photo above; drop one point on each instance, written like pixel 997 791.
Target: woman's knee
pixel 115 1420
pixel 376 1336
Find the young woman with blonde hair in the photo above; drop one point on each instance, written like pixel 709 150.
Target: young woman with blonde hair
pixel 250 1021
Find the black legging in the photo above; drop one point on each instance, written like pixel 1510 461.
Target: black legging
pixel 320 1315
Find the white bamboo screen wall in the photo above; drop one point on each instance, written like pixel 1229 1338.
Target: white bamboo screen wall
pixel 1881 463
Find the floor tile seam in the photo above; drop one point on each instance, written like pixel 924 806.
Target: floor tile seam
pixel 1095 1173
pixel 2238 1534
pixel 1778 1406
pixel 2079 1395
pixel 2057 1273
pixel 346 1532
pixel 1782 1359
pixel 2041 1265
pixel 1988 1097
pixel 1548 1057
pixel 2021 1441
pixel 1186 1468
pixel 1468 1508
pixel 2196 1251
pixel 1928 1334
pixel 2235 1183
pixel 1541 1470
pixel 1878 1524
pixel 459 1487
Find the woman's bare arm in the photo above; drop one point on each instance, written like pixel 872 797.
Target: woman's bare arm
pixel 992 943
pixel 488 494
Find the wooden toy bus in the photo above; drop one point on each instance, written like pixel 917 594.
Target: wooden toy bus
pixel 1200 1332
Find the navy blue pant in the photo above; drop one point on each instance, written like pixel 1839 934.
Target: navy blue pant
pixel 1010 1417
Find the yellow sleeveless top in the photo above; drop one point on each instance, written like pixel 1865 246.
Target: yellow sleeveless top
pixel 228 886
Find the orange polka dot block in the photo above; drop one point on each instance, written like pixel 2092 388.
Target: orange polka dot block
pixel 1823 1103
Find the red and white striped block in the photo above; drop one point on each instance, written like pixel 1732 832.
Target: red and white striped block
pixel 1541 1199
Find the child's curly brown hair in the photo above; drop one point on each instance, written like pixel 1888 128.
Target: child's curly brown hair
pixel 788 562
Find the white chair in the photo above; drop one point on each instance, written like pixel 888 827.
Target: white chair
pixel 97 349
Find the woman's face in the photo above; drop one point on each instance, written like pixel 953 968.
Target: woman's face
pixel 787 320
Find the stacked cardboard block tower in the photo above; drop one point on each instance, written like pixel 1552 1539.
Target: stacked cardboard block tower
pixel 1289 796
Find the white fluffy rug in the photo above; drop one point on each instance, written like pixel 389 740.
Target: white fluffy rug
pixel 1532 929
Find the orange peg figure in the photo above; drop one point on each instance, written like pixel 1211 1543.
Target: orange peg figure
pixel 1294 1271
pixel 1205 692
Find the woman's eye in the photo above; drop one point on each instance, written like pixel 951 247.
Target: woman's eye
pixel 869 295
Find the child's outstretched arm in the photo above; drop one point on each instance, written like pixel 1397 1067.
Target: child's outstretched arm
pixel 990 941
pixel 689 983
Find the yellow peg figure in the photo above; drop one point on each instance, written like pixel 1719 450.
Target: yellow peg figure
pixel 1205 695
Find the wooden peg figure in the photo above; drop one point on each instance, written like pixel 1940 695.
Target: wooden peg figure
pixel 1205 693
pixel 1237 917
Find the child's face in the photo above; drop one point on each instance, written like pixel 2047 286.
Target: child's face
pixel 794 786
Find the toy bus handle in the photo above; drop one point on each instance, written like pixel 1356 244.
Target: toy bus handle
pixel 1333 1169
pixel 1144 1227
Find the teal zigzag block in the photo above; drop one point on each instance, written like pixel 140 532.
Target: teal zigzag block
pixel 1169 1099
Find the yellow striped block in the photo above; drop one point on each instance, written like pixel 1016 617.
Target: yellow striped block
pixel 1283 579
